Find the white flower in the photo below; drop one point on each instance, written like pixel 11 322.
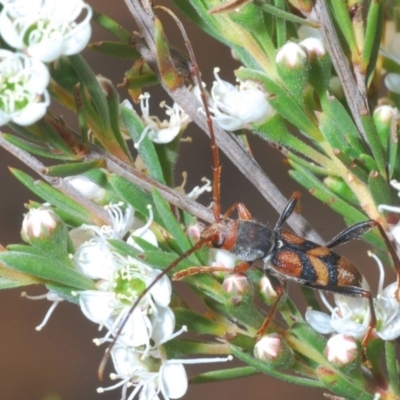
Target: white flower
pixel 86 187
pixel 351 315
pixel 235 108
pixel 95 257
pixel 161 131
pixel 151 375
pixel 122 281
pixel 46 29
pixel 23 95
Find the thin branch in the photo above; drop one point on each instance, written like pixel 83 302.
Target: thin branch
pixel 143 181
pixel 99 215
pixel 355 95
pixel 227 143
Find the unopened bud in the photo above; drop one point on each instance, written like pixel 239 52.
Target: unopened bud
pixel 341 350
pixel 274 350
pixel 320 63
pixel 42 228
pixel 293 67
pixel 39 223
pixel 291 55
pixel 235 284
pixel 267 291
pixel 386 120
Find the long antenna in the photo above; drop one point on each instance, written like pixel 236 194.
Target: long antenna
pixel 214 147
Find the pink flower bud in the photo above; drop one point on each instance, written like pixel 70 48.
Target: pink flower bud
pixel 274 350
pixel 385 113
pixel 341 350
pixel 267 291
pixel 235 284
pixel 291 55
pixel 39 223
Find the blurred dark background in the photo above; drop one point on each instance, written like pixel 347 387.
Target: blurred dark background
pixel 60 362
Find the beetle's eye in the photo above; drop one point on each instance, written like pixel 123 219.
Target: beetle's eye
pixel 218 240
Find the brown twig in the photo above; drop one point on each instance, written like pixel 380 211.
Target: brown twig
pixel 355 93
pixel 99 215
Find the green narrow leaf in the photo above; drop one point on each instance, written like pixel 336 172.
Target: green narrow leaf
pixel 373 141
pixel 198 323
pixel 266 369
pixel 225 374
pixel 343 22
pixel 56 139
pixel 322 193
pixel 252 20
pixel 349 157
pixel 282 14
pixel 73 169
pixel 112 26
pixel 394 159
pixel 53 196
pixel 342 385
pixel 373 33
pixel 147 151
pixel 380 190
pixel 46 268
pixel 341 118
pixel 392 367
pixel 89 81
pixel 171 224
pixel 37 149
pixel 275 130
pixel 136 197
pixel 281 29
pixel 10 284
pixel 113 102
pixel 331 132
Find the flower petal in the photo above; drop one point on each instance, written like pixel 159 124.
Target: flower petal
pixel 174 380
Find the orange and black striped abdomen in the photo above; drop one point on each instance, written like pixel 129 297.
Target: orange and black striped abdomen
pixel 302 259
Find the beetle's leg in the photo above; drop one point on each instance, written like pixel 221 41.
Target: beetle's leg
pixel 243 212
pixel 237 269
pixel 279 288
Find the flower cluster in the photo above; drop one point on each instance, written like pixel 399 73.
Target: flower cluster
pixel 40 31
pixel 139 333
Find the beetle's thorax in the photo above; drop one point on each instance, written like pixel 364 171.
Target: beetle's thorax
pixel 248 240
